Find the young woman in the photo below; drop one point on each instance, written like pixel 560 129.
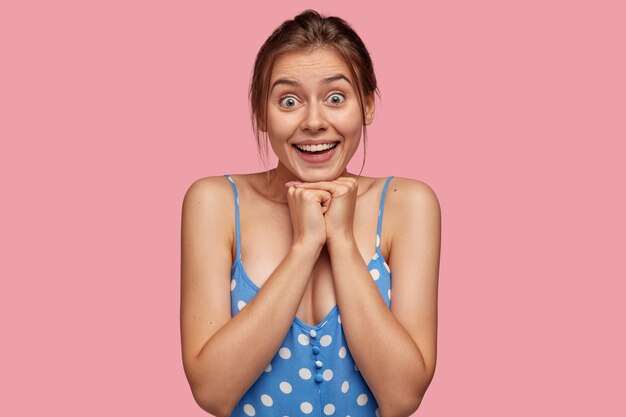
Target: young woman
pixel 287 303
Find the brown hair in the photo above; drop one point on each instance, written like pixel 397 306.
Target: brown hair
pixel 308 31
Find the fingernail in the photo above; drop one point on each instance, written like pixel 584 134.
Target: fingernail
pixel 290 183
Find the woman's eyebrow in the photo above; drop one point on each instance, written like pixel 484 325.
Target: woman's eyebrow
pixel 284 81
pixel 336 77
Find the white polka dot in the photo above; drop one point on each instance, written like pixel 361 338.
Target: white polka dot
pixel 377 412
pixel 306 408
pixel 387 267
pixel 269 368
pixel 303 339
pixel 389 294
pixel 241 304
pixel 361 399
pixel 249 410
pixel 284 353
pixel 326 340
pixel 342 352
pixel 377 240
pixel 329 409
pixel 313 333
pixel 233 284
pixel 375 274
pixel 267 400
pixel 345 387
pixel 304 373
pixel 237 200
pixel 375 256
pixel 328 375
pixel 338 318
pixel 285 387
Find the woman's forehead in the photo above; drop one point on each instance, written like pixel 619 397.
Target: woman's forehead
pixel 319 65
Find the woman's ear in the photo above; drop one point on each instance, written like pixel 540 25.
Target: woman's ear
pixel 369 108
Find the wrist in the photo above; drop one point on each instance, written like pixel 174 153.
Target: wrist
pixel 306 249
pixel 342 243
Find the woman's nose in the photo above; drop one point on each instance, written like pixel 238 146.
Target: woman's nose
pixel 314 119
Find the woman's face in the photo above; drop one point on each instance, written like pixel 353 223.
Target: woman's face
pixel 314 118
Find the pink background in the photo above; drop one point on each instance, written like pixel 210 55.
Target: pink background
pixel 513 112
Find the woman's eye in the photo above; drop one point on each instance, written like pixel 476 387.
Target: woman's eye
pixel 288 102
pixel 336 98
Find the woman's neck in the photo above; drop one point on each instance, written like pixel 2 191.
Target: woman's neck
pixel 278 177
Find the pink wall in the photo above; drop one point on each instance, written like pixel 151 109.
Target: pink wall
pixel 513 113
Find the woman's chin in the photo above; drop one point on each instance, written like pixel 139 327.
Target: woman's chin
pixel 319 176
pixel 313 174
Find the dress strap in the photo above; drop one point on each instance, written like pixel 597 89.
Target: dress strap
pixel 237 226
pixel 380 213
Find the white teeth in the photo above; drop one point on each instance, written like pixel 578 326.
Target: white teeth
pixel 316 148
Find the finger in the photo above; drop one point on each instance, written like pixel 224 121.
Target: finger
pixel 347 181
pixel 350 181
pixel 321 197
pixel 325 202
pixel 292 183
pixel 335 189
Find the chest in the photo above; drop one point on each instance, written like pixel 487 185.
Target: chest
pixel 266 236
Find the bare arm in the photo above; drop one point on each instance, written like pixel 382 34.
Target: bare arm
pixel 217 358
pixel 395 349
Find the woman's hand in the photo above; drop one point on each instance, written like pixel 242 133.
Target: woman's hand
pixel 307 208
pixel 339 216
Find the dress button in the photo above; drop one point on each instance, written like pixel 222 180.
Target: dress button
pixel 318 364
pixel 316 350
pixel 313 333
pixel 318 378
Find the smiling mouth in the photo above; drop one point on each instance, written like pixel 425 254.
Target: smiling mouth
pixel 316 149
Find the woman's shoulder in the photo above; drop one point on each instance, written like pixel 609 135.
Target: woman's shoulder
pixel 402 188
pixel 209 198
pixel 407 195
pixel 412 187
pixel 214 191
pixel 208 188
pixel 208 210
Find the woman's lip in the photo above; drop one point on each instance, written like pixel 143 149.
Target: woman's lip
pixel 317 158
pixel 317 142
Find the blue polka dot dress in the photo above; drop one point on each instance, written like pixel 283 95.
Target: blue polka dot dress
pixel 313 373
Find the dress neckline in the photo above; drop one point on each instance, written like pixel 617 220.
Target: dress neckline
pixel 335 309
